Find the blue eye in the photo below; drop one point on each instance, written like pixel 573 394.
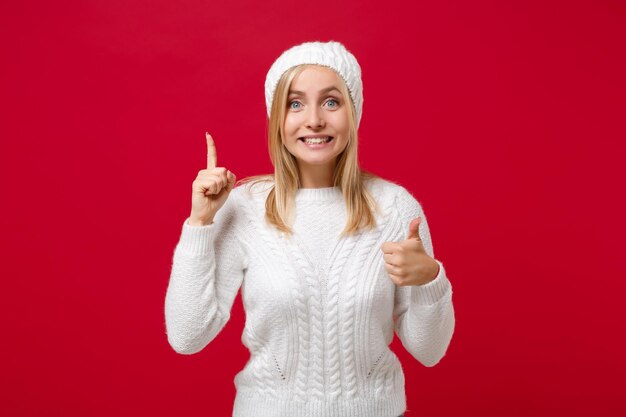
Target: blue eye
pixel 334 102
pixel 292 104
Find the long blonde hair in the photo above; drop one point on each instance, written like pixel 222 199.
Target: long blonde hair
pixel 348 176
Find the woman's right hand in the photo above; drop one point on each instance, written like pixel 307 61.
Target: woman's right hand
pixel 210 188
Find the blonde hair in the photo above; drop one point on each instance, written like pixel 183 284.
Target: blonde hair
pixel 348 176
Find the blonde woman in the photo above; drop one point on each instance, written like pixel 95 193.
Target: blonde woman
pixel 330 259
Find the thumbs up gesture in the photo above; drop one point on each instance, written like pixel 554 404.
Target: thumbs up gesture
pixel 210 188
pixel 407 262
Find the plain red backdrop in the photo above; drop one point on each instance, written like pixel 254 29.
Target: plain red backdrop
pixel 505 119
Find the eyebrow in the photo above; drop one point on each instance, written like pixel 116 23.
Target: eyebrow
pixel 322 91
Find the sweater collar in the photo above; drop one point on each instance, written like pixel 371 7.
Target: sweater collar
pixel 319 194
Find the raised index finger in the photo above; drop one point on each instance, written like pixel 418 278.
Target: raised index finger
pixel 211 158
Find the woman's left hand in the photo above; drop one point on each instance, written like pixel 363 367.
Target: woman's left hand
pixel 407 262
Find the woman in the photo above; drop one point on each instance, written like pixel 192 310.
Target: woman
pixel 321 253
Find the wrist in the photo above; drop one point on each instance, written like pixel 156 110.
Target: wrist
pixel 434 269
pixel 199 222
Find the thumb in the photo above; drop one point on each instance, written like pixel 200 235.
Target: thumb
pixel 231 180
pixel 414 228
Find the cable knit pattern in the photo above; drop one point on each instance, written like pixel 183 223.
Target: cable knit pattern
pixel 299 297
pixel 315 319
pixel 333 353
pixel 261 374
pixel 319 307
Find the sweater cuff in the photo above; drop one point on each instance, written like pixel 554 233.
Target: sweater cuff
pixel 433 291
pixel 196 240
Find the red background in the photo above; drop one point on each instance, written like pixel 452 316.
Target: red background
pixel 505 120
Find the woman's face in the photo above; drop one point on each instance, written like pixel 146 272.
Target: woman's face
pixel 316 120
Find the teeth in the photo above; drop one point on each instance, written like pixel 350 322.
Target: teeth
pixel 317 140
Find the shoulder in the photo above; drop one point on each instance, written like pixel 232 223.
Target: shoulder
pixel 384 190
pixel 250 194
pixel 395 199
pixel 245 203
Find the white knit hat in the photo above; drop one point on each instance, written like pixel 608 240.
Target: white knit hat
pixel 329 54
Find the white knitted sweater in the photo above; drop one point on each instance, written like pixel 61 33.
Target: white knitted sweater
pixel 320 310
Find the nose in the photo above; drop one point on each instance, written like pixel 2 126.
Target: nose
pixel 314 118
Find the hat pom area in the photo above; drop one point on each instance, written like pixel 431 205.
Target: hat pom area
pixel 330 54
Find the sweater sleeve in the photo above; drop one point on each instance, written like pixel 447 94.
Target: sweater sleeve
pixel 207 272
pixel 425 314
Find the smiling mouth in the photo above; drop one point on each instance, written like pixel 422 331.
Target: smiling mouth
pixel 316 140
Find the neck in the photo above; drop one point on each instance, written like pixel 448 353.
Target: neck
pixel 316 176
